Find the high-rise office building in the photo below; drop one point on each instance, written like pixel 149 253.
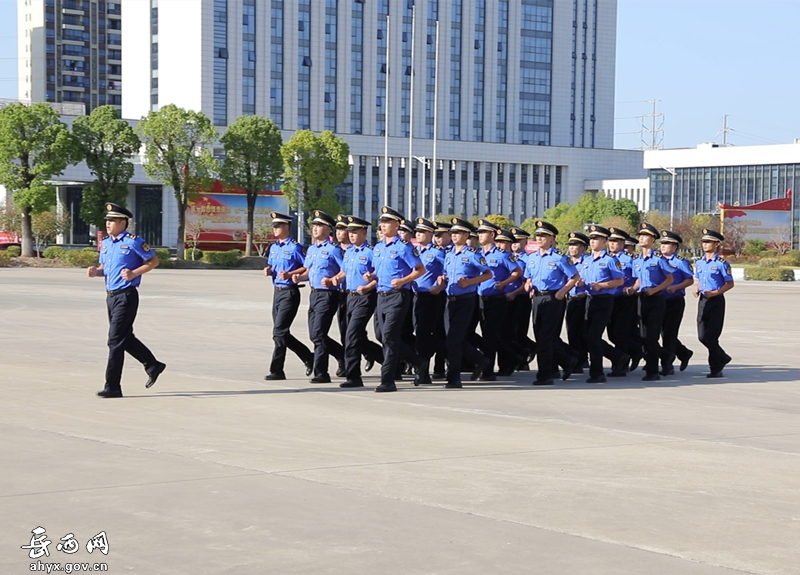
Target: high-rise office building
pixel 70 51
pixel 513 98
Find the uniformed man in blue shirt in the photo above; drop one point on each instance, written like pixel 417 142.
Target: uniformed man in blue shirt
pixel 653 275
pixel 492 294
pixel 600 274
pixel 714 278
pixel 623 328
pixel 343 241
pixel 429 300
pixel 407 233
pixel 397 265
pixel 322 263
pixel 675 304
pixel 521 306
pixel 443 239
pixel 463 271
pixel 285 256
pixel 550 275
pixel 513 353
pixel 575 317
pixel 124 258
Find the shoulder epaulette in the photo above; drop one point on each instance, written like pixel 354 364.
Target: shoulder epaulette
pixel 439 248
pixel 721 258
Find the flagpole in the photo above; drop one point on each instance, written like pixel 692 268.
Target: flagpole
pixel 433 179
pixel 410 164
pixel 386 117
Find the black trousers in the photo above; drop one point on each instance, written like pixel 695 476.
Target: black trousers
pixel 359 310
pixel 285 303
pixel 513 351
pixel 576 327
pixel 598 314
pixel 428 314
pixel 458 316
pixel 494 310
pixel 391 315
pixel 651 319
pixel 322 307
pixel 341 315
pixel 520 310
pixel 671 345
pixel 122 310
pixel 548 317
pixel 623 326
pixel 710 319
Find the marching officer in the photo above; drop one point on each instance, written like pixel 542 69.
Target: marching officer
pixel 284 257
pixel 624 319
pixel 443 239
pixel 550 275
pixel 322 263
pixel 601 274
pixel 124 258
pixel 407 233
pixel 521 307
pixel 463 271
pixel 343 240
pixel 674 304
pixel 714 278
pixel 492 294
pixel 653 275
pixel 514 353
pixel 361 302
pixel 576 301
pixel 428 301
pixel 397 265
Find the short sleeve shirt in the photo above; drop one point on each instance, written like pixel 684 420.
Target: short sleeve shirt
pixel 463 264
pixel 651 271
pixel 712 273
pixel 550 270
pixel 501 265
pixel 597 269
pixel 433 259
pixel 323 260
pixel 357 261
pixel 681 271
pixel 126 251
pixel 393 259
pixel 285 256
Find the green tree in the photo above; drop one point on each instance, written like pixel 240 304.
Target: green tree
pixel 253 161
pixel 315 165
pixel 47 225
pixel 501 220
pixel 177 154
pixel 106 143
pixel 35 145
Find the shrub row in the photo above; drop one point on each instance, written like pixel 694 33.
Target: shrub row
pixel 14 251
pixel 5 258
pixel 769 274
pixel 198 254
pixel 54 253
pixel 163 256
pixel 226 259
pixel 81 258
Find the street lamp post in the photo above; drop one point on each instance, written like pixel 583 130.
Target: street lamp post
pixel 673 172
pixel 424 161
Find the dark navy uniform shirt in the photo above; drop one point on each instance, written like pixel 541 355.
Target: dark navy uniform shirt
pixel 576 289
pixel 651 271
pixel 501 266
pixel 284 256
pixel 323 260
pixel 549 271
pixel 126 251
pixel 393 259
pixel 712 274
pixel 463 264
pixel 357 261
pixel 601 268
pixel 681 271
pixel 433 259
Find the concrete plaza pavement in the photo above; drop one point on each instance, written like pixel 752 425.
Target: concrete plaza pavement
pixel 216 471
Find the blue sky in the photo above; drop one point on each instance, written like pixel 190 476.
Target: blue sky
pixel 700 58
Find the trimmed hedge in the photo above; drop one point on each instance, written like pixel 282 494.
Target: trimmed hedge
pixel 769 263
pixel 790 259
pixel 54 253
pixel 81 259
pixel 769 274
pixel 163 256
pixel 14 251
pixel 198 254
pixel 5 258
pixel 226 259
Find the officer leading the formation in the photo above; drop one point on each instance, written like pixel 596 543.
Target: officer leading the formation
pixel 124 258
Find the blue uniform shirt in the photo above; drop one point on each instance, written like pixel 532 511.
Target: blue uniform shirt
pixel 501 265
pixel 549 271
pixel 601 268
pixel 712 274
pixel 343 282
pixel 323 260
pixel 521 259
pixel 626 261
pixel 651 271
pixel 127 251
pixel 681 271
pixel 463 264
pixel 284 256
pixel 357 261
pixel 433 259
pixel 393 259
pixel 576 289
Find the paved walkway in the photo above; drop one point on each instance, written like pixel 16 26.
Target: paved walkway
pixel 215 471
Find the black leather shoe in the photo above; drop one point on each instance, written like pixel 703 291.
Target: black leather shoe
pixel 505 372
pixel 667 371
pixel 275 376
pixel 108 393
pixel 622 373
pixel 726 360
pixel 154 376
pixel 651 377
pixel 438 375
pixel 340 371
pixel 548 381
pixel 453 385
pixel 351 383
pixel 715 374
pixel 477 371
pixel 635 359
pixel 309 368
pixel 368 364
pixel 598 379
pixel 685 361
pixel 621 365
pixel 423 380
pixel 385 388
pixel 325 378
pixel 488 377
pixel 568 371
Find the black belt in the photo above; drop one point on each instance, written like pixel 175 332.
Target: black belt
pixel 579 296
pixel 119 291
pixel 284 288
pixel 660 293
pixel 313 289
pixel 491 297
pixel 545 292
pixel 355 293
pixel 459 297
pixel 389 292
pixel 602 295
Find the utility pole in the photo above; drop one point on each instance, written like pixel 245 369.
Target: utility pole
pixel 655 130
pixel 725 130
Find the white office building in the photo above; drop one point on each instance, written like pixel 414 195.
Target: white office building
pixel 522 111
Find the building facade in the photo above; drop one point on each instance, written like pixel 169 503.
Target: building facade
pixel 70 51
pixel 467 106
